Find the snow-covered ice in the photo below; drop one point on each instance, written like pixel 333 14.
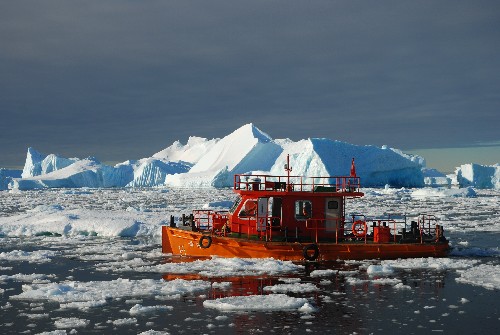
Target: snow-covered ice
pixel 270 302
pixel 97 291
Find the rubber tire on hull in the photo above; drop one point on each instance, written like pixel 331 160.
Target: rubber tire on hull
pixel 310 247
pixel 201 241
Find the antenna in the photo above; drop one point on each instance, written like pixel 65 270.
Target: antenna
pixel 288 168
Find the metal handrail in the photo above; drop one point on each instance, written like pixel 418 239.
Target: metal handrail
pixel 296 183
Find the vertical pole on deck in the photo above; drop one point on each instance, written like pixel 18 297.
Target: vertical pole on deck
pixel 288 169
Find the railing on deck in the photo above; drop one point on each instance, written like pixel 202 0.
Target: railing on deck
pixel 210 220
pixel 296 183
pixel 383 230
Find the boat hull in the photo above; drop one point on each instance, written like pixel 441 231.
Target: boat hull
pixel 187 243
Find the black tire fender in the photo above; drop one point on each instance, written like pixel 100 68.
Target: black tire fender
pixel 310 247
pixel 203 244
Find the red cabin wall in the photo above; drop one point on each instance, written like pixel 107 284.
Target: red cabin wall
pixel 288 214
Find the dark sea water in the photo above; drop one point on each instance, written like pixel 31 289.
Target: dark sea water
pixel 434 303
pixel 418 296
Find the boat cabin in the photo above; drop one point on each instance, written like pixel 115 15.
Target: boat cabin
pixel 291 208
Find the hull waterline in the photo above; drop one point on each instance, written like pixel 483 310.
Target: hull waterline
pixel 187 243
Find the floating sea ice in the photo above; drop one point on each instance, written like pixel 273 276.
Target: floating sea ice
pixel 124 322
pixel 35 316
pixel 139 309
pixel 468 192
pixel 383 269
pixel 271 302
pixel 348 273
pixel 307 308
pixel 323 273
pixel 401 286
pixel 20 277
pixel 294 288
pixel 54 332
pixel 431 263
pixel 386 281
pixel 64 323
pixel 83 305
pixel 225 267
pixel 38 256
pixel 485 275
pixel 154 332
pixel 74 291
pixel 355 281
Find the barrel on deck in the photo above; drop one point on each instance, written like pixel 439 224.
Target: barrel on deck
pixel 381 234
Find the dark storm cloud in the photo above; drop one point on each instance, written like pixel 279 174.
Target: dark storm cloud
pixel 124 79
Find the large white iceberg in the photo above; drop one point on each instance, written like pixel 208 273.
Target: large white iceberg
pixel 479 176
pixel 246 149
pixel 212 163
pixel 152 172
pixel 324 157
pixel 87 172
pixel 192 152
pixel 39 164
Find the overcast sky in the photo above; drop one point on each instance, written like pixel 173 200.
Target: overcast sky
pixel 124 79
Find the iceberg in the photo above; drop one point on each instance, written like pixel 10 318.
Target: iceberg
pixel 192 152
pixel 151 172
pixel 87 172
pixel 213 163
pixel 6 176
pixel 246 149
pixel 376 166
pixel 435 178
pixel 39 164
pixel 479 176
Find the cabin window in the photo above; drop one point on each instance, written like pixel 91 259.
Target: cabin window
pixel 249 209
pixel 303 209
pixel 333 204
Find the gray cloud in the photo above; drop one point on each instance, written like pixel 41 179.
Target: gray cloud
pixel 124 79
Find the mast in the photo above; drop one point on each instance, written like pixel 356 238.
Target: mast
pixel 288 169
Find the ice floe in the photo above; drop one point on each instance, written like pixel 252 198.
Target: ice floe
pixel 485 275
pixel 97 291
pixel 214 267
pixel 292 288
pixel 37 256
pixel 139 309
pixel 432 263
pixel 270 302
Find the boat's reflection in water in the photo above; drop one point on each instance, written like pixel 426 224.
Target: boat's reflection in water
pixel 346 301
pixel 246 284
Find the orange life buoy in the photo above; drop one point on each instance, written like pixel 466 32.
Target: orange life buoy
pixel 359 228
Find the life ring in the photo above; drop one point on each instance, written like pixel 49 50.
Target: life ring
pixel 359 228
pixel 202 244
pixel 310 247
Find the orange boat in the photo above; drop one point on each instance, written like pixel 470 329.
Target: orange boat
pixel 301 218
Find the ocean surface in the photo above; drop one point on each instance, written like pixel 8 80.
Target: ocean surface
pixel 93 282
